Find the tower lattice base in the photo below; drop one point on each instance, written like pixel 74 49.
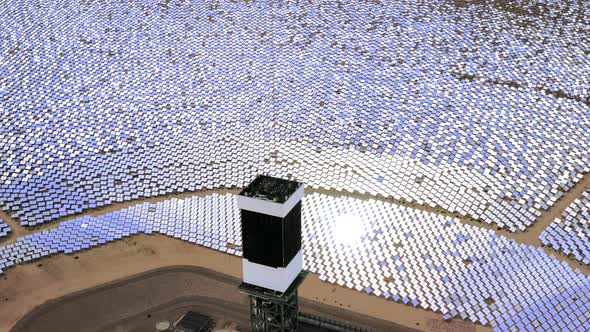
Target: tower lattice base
pixel 271 311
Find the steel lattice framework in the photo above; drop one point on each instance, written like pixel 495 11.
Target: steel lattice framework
pixel 272 311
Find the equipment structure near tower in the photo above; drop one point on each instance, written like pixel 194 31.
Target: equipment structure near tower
pixel 272 256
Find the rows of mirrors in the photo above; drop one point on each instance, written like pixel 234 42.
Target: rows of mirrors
pixel 570 233
pixel 4 228
pixel 480 109
pixel 407 255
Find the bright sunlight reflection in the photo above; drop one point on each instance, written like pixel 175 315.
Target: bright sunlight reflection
pixel 348 229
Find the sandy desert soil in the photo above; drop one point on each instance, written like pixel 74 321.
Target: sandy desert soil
pixel 28 286
pixel 138 302
pixel 113 306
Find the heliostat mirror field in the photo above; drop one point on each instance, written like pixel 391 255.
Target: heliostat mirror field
pixel 476 108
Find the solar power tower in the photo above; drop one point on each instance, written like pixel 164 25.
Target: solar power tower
pixel 272 256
